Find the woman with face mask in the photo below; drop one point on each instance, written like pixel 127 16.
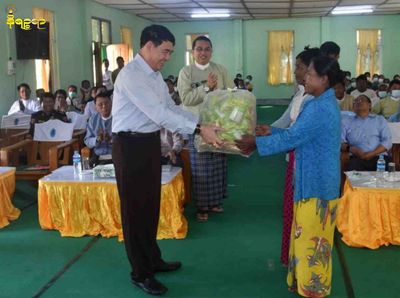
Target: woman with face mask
pixel 390 104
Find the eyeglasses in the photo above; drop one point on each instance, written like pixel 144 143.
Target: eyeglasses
pixel 202 49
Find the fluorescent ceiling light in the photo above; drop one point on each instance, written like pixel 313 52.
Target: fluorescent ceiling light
pixel 353 9
pixel 210 15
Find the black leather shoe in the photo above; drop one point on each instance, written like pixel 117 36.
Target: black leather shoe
pixel 151 286
pixel 168 266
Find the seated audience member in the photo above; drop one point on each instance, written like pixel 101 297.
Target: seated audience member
pixel 361 89
pixel 172 91
pixel 85 91
pixel 61 104
pixel 24 104
pixel 39 92
pixel 352 86
pixel 367 75
pixel 382 91
pixel 330 49
pixel 120 63
pixel 241 84
pixel 107 81
pixel 248 84
pixel 99 134
pixel 345 101
pixel 365 136
pixel 171 146
pixel 375 82
pixel 48 112
pixel 90 107
pixel 237 78
pixel 390 104
pixel 396 77
pixel 73 99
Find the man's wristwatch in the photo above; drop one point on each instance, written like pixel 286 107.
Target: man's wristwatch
pixel 197 130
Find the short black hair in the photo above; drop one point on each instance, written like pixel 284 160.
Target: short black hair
pixel 325 65
pixel 73 86
pixel 85 81
pixel 330 48
pixel 102 94
pixel 367 73
pixel 60 91
pixel 394 82
pixel 342 79
pixel 308 54
pixel 203 38
pixel 361 78
pixel 25 85
pixel 168 80
pixel 48 95
pixel 157 34
pixel 238 75
pixel 250 77
pixel 105 59
pixel 119 58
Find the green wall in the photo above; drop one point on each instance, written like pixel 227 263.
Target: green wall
pixel 242 45
pixel 239 45
pixel 73 41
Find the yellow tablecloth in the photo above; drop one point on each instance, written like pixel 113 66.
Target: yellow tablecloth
pixel 7 188
pixel 93 208
pixel 369 217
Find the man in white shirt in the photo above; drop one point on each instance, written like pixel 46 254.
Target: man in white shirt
pixel 107 76
pixel 141 107
pixel 24 104
pixel 361 89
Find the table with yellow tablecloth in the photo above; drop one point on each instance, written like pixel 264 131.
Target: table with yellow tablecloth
pixel 78 206
pixel 7 188
pixel 369 211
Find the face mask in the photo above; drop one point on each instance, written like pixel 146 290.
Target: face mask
pixel 382 94
pixel 176 89
pixel 375 79
pixel 380 81
pixel 348 77
pixel 396 93
pixel 72 94
pixel 353 84
pixel 247 81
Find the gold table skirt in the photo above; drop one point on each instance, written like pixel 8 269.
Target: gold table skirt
pixel 369 217
pixel 7 188
pixel 93 208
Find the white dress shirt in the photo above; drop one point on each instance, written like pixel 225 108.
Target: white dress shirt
pixel 107 80
pixel 141 102
pixel 31 106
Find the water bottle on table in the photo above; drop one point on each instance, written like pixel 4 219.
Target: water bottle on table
pixel 380 166
pixel 76 161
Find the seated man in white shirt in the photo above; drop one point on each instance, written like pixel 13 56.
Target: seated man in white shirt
pixel 361 89
pixel 171 146
pixel 99 134
pixel 24 104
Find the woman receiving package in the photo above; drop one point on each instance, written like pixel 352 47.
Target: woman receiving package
pixel 316 138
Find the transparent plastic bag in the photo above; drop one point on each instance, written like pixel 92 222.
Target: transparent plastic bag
pixel 232 110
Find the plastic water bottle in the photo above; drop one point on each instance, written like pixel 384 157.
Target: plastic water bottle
pixel 381 166
pixel 76 161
